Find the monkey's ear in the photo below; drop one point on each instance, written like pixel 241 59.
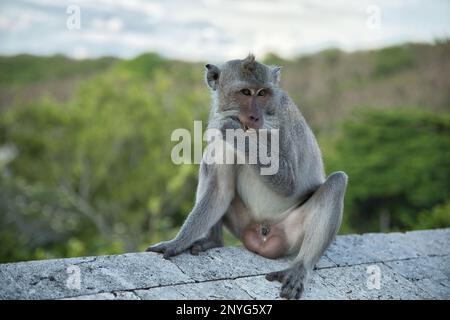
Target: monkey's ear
pixel 276 74
pixel 212 76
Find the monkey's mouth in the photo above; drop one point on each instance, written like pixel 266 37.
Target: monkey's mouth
pixel 247 128
pixel 244 126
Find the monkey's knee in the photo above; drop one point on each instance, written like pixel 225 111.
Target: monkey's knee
pixel 325 208
pixel 337 180
pixel 333 189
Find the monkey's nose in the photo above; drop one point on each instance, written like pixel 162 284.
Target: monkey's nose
pixel 253 122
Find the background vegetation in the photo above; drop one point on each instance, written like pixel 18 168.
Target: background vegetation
pixel 85 144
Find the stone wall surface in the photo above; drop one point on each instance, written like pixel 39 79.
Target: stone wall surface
pixel 411 265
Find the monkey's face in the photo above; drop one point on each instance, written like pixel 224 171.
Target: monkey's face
pixel 245 90
pixel 251 103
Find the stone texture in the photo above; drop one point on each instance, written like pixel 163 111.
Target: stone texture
pixel 48 279
pixel 218 290
pixel 430 242
pixel 350 250
pixel 352 283
pixel 378 247
pixel 432 274
pixel 226 263
pixel 259 288
pixel 124 295
pixel 325 262
pixel 412 265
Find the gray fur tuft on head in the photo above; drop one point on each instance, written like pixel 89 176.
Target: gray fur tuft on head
pixel 249 63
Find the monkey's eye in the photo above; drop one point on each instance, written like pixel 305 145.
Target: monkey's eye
pixel 262 93
pixel 246 92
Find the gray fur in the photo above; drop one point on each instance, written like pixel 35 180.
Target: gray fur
pixel 214 239
pixel 214 195
pixel 299 183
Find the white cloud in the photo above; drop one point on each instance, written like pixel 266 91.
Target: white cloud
pixel 20 21
pixel 114 24
pixel 80 52
pixel 216 30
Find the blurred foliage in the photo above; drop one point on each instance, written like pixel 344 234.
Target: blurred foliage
pixel 393 59
pixel 24 69
pixel 144 66
pixel 273 59
pixel 398 163
pixel 92 174
pixel 101 163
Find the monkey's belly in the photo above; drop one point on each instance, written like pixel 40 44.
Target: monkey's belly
pixel 266 240
pixel 263 203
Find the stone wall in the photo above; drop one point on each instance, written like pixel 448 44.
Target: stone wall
pixel 411 265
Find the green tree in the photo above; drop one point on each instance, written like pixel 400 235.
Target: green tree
pixel 398 162
pixel 103 161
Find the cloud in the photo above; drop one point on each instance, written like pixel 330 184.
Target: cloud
pixel 215 30
pixel 20 21
pixel 80 52
pixel 114 24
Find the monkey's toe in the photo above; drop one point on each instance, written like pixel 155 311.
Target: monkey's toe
pixel 291 294
pixel 195 250
pixel 169 253
pixel 167 248
pixel 292 280
pixel 292 289
pixel 276 276
pixel 293 283
pixel 203 245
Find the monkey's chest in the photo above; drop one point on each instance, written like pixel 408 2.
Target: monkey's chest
pixel 260 200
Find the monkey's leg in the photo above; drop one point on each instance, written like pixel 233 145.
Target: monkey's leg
pixel 213 240
pixel 214 194
pixel 322 216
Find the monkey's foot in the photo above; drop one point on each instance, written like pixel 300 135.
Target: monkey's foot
pixel 203 245
pixel 167 248
pixel 292 280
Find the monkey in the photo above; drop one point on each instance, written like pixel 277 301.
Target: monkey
pixel 296 211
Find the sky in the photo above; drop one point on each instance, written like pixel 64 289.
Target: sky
pixel 215 30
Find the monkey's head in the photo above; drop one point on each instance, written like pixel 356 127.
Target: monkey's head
pixel 245 89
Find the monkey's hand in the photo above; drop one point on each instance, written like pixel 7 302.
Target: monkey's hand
pixel 292 279
pixel 249 147
pixel 230 123
pixel 167 248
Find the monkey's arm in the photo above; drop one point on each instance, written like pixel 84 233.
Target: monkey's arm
pixel 214 195
pixel 283 180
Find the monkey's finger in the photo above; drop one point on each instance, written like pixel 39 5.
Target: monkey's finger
pixel 298 293
pixel 287 291
pixel 195 250
pixel 159 248
pixel 290 291
pixel 170 253
pixel 283 294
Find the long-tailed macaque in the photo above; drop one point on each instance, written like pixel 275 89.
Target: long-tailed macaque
pixel 296 210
